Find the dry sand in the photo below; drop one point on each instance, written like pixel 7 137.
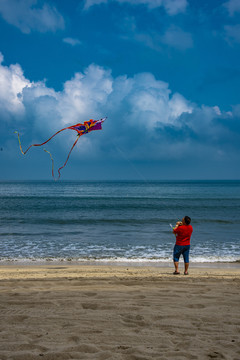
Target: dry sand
pixel 113 312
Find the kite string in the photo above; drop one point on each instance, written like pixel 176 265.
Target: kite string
pixel 124 156
pixel 59 174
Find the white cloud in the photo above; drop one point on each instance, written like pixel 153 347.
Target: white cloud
pixel 27 15
pixel 141 101
pixel 83 97
pixel 233 6
pixel 91 94
pixel 72 41
pixel 89 3
pixel 217 110
pixel 232 33
pixel 144 117
pixel 172 7
pixel 12 83
pixel 85 94
pixel 147 101
pixel 177 38
pixel 173 37
pixel 178 105
pixel 151 40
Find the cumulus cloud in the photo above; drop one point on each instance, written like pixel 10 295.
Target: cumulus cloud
pixel 172 7
pixel 27 15
pixel 145 118
pixel 12 83
pixel 82 97
pixel 72 41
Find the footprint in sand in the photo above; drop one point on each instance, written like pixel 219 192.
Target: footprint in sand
pixel 140 297
pixel 85 348
pixel 196 306
pixel 90 294
pixel 74 339
pixel 89 306
pixel 215 355
pixel 133 320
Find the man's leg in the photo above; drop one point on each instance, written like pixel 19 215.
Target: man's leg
pixel 176 266
pixel 186 265
pixel 186 258
pixel 176 255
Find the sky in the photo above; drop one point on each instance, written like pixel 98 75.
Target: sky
pixel 166 73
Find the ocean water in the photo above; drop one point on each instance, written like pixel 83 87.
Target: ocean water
pixel 117 221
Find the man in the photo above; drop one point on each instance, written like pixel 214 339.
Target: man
pixel 183 231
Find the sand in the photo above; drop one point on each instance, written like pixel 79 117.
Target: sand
pixel 62 312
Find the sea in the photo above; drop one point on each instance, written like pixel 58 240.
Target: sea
pixel 117 222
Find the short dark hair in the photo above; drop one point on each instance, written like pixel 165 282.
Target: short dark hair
pixel 187 220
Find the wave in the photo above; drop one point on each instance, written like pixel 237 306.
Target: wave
pixel 120 260
pixel 112 221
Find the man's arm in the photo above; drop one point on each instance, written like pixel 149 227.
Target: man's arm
pixel 179 223
pixel 174 229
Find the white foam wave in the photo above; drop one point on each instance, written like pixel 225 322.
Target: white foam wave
pixel 129 260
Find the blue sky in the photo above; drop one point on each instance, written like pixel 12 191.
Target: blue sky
pixel 165 72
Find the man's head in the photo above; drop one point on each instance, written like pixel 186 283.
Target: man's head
pixel 186 220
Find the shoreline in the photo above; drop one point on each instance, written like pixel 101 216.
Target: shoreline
pixel 61 271
pixel 137 264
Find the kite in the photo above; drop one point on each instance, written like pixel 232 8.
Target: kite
pixel 81 129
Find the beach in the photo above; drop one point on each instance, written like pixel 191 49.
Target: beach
pixel 118 312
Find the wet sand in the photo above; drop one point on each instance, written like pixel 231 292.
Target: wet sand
pixel 58 312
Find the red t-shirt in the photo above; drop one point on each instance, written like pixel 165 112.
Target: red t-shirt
pixel 183 233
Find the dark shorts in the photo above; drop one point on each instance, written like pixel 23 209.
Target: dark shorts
pixel 181 250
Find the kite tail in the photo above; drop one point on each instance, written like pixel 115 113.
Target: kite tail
pixel 52 162
pixel 20 145
pixel 59 174
pixel 24 152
